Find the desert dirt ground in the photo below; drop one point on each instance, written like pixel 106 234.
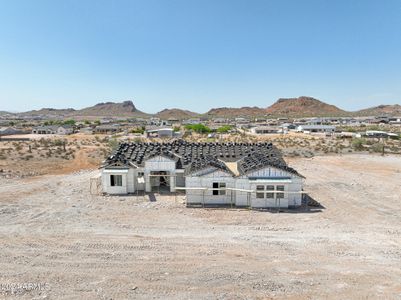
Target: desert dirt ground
pixel 58 241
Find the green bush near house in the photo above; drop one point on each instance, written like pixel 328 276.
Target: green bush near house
pixel 224 129
pixel 69 122
pixel 199 128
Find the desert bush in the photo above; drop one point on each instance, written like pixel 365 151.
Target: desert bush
pixel 378 147
pixel 113 144
pixel 358 143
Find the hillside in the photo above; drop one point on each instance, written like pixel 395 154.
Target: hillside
pixel 303 107
pixel 391 110
pixel 283 107
pixel 111 109
pixel 176 113
pixel 3 113
pixel 231 112
pixel 50 112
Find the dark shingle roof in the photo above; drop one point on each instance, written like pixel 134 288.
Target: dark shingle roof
pixel 195 156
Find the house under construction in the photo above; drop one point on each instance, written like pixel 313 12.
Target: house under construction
pixel 240 174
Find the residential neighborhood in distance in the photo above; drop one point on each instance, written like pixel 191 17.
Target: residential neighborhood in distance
pixel 230 150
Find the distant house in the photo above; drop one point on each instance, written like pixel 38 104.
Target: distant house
pixel 173 120
pixel 192 121
pixel 107 129
pixel 380 134
pixel 266 130
pixel 288 126
pixel 154 121
pixel 316 121
pixel 10 131
pixel 219 120
pixel 164 132
pixel 53 129
pixel 240 120
pixel 86 130
pixel 316 128
pixel 395 121
pixel 65 130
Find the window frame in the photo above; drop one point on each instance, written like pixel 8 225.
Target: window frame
pixel 270 191
pixel 116 180
pixel 260 195
pixel 216 188
pixel 280 188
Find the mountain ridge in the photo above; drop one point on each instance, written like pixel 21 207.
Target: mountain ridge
pixel 302 106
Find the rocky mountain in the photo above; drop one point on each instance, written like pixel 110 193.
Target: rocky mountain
pixel 111 109
pixel 104 109
pixel 50 112
pixel 386 110
pixel 285 107
pixel 176 113
pixel 303 107
pixel 231 112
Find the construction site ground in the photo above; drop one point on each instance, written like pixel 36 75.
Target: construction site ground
pixel 58 241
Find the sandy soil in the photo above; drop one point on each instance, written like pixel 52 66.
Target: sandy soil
pixel 54 233
pixel 42 155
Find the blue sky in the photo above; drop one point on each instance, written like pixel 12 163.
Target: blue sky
pixel 198 54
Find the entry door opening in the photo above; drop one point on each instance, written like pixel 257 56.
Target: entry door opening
pixel 160 181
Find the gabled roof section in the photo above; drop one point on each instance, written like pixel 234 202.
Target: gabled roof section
pixel 167 155
pixel 206 162
pixel 257 161
pixel 116 160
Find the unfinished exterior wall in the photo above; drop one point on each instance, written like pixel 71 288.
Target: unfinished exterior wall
pixel 205 179
pixel 159 163
pixel 274 177
pixel 269 176
pixel 115 190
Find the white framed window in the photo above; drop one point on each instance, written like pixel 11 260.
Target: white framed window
pixel 216 188
pixel 267 191
pixel 269 187
pixel 260 195
pixel 140 174
pixel 270 195
pixel 280 188
pixel 116 180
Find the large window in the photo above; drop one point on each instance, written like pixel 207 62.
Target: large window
pixel 268 191
pixel 116 180
pixel 217 186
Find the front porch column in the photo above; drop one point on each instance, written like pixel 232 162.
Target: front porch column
pixel 148 187
pixel 172 182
